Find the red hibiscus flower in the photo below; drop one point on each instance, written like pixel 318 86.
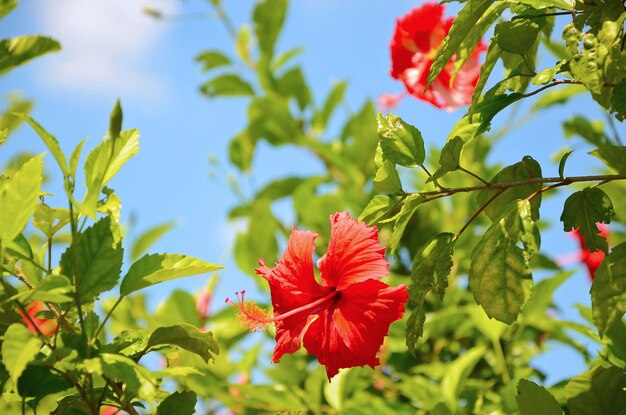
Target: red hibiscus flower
pixel 47 326
pixel 417 37
pixel 591 259
pixel 342 321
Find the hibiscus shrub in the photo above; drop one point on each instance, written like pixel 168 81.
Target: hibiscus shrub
pixel 422 299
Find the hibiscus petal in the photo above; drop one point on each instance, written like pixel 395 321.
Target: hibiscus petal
pixel 292 281
pixel 413 33
pixel 354 253
pixel 289 333
pixel 351 331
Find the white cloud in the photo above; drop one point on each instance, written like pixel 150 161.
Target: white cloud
pixel 106 45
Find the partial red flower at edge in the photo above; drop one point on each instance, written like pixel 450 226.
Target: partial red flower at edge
pixel 591 259
pixel 47 326
pixel 343 321
pixel 417 36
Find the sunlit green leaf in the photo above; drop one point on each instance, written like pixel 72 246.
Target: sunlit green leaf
pixel 431 267
pixel 187 337
pixel 458 372
pixel 268 17
pixel 528 168
pixel 19 348
pixel 379 207
pixel 562 163
pixel 541 4
pixel 500 275
pixel 334 98
pixel 409 207
pixel 227 85
pixel 179 307
pixel 212 59
pixel 608 291
pixel 148 238
pixel 95 260
pixel 401 142
pixel 178 403
pixel 464 24
pixel 592 131
pixel 6 6
pixel 103 162
pixel 533 399
pixel 582 210
pixel 449 158
pixel 136 379
pixel 50 220
pixel 18 50
pixel 18 198
pixel 241 150
pixel 612 156
pixel 618 100
pixel 598 391
pixel 517 36
pixel 156 268
pixel 292 83
pixel 54 288
pixel 387 179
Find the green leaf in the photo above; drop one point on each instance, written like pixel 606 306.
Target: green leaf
pixel 49 140
pixel 431 267
pixel 227 85
pixel 409 207
pixel 379 207
pixel 18 198
pixel 557 96
pixel 50 220
pixel 401 142
pixel 517 36
pixel 103 162
pixel 75 157
pixel 478 119
pixel 279 188
pixel 19 50
pixel 95 260
pixel 19 348
pixel 608 291
pixel 178 403
pixel 494 53
pixel 148 238
pixel 462 27
pixel 283 58
pixel 6 6
pixel 270 118
pixel 387 179
pixel 500 275
pixel 186 337
pixel 449 158
pixel 469 43
pixel 38 381
pixel 582 210
pixel 528 168
pixel 115 122
pixel 53 288
pixel 334 98
pixel 156 268
pixel 268 17
pixel 592 131
pixel 612 156
pixel 179 307
pixel 292 83
pixel 136 379
pixel 533 399
pixel 544 77
pixel 618 100
pixel 562 163
pixel 541 4
pixel 211 59
pixel 598 391
pixel 241 150
pixel 457 372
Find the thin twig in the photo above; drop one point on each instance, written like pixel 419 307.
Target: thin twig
pixel 479 211
pixel 463 169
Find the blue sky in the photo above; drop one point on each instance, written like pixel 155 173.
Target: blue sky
pixel 112 50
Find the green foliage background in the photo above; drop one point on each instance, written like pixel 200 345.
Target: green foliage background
pixel 466 238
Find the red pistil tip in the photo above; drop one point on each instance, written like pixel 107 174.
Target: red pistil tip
pixel 250 314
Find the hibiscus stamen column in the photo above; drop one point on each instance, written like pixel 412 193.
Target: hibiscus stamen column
pixel 256 318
